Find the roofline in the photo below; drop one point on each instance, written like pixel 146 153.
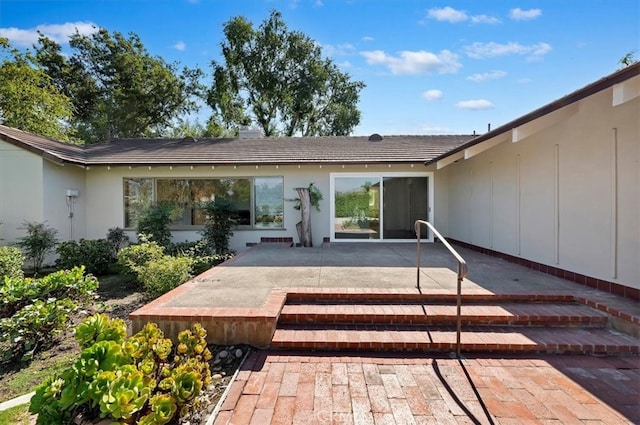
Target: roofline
pixel 595 87
pixel 38 151
pixel 248 164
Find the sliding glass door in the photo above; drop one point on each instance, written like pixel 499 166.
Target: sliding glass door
pixel 379 206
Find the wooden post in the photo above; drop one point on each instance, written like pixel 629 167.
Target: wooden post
pixel 304 230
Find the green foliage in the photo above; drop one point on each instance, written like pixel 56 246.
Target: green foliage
pixel 118 240
pixel 199 253
pixel 315 196
pixel 140 379
pixel 628 59
pixel 11 260
pixel 161 276
pixel 39 241
pixel 100 327
pixel 155 220
pixel 277 79
pixel 95 254
pixel 33 311
pixel 218 227
pixel 352 204
pixel 134 257
pixel 32 328
pixel 28 98
pixel 15 293
pixel 116 86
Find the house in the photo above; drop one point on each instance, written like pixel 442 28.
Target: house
pixel 557 189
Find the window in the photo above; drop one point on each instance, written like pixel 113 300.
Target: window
pixel 262 195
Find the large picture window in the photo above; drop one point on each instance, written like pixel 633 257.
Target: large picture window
pixel 258 201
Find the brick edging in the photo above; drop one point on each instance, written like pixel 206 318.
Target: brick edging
pixel 592 282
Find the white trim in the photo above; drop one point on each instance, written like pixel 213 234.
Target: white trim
pixel 381 176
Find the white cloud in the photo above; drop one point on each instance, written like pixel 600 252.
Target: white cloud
pixel 474 104
pixel 59 33
pixel 485 19
pixel 344 49
pixel 479 50
pixel 180 46
pixel 518 14
pixel 478 78
pixel 367 38
pixel 433 95
pixel 451 15
pixel 415 62
pixel 447 14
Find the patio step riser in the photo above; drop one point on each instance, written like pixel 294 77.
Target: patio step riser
pixel 477 339
pixel 296 298
pixel 445 320
pixel 502 314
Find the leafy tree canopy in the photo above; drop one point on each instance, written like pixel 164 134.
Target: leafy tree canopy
pixel 117 88
pixel 28 98
pixel 278 80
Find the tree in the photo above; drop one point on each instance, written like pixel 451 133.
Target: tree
pixel 39 241
pixel 118 89
pixel 28 98
pixel 277 79
pixel 628 59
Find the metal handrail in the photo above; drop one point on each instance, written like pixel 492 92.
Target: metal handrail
pixel 462 273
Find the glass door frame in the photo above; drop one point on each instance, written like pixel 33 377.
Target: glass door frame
pixel 381 175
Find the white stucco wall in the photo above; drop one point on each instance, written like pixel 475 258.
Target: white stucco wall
pixel 56 180
pixel 21 191
pixel 567 195
pixel 105 204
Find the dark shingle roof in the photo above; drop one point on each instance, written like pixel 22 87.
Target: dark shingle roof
pixel 44 146
pixel 295 150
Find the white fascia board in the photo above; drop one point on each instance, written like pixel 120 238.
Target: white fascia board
pixel 625 91
pixel 449 160
pixel 474 150
pixel 520 133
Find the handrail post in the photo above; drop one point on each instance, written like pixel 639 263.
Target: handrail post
pixel 462 273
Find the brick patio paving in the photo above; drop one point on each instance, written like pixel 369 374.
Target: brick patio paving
pixel 304 388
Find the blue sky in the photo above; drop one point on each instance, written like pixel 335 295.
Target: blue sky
pixel 446 67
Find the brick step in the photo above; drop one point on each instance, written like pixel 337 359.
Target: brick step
pixel 475 339
pixel 429 314
pixel 359 296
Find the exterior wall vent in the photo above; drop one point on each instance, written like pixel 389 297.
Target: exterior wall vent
pixel 375 137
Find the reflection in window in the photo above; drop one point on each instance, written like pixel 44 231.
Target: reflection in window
pixel 269 206
pixel 188 195
pixel 138 195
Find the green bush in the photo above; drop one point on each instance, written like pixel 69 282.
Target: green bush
pixel 142 379
pixel 95 254
pixel 15 293
pixel 11 261
pixel 39 241
pixel 162 275
pixel 118 240
pixel 155 221
pixel 32 311
pixel 133 257
pixel 218 227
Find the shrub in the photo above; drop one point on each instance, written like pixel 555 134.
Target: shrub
pixel 142 379
pixel 95 254
pixel 133 257
pixel 164 274
pixel 32 311
pixel 11 260
pixel 118 240
pixel 39 241
pixel 155 220
pixel 218 227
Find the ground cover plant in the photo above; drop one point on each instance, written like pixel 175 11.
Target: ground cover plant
pixel 141 379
